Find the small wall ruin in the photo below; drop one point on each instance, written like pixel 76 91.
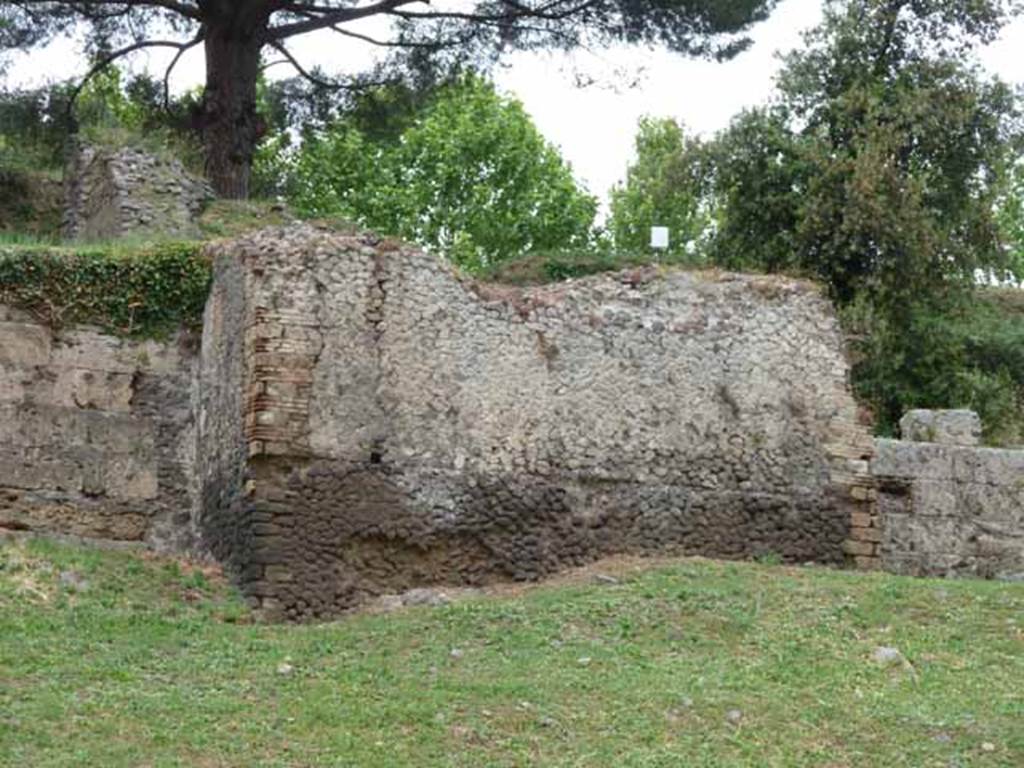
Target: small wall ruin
pixel 948 506
pixel 128 192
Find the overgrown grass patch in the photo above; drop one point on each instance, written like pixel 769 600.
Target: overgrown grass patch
pixel 551 267
pixel 116 659
pixel 233 218
pixel 31 201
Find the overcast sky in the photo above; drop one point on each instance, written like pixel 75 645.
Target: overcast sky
pixel 593 126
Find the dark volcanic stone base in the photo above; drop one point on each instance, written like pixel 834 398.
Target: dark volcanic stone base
pixel 329 535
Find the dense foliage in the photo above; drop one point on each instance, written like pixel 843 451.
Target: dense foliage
pixel 112 109
pixel 235 36
pixel 967 352
pixel 470 176
pixel 1011 218
pixel 884 167
pixel 149 290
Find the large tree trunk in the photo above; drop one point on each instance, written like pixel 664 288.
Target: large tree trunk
pixel 229 124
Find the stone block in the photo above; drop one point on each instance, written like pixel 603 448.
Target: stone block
pixel 89 350
pixel 92 389
pixel 898 459
pixel 77 451
pixel 995 504
pixel 873 535
pixel 952 427
pixel 23 385
pixel 996 467
pixel 859 548
pixel 278 573
pixel 75 518
pixel 862 519
pixel 23 346
pixel 899 534
pixel 903 564
pixel 931 538
pixel 934 498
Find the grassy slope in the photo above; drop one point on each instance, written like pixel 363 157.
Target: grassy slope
pixel 154 665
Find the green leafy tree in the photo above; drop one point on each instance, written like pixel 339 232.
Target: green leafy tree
pixel 33 131
pixel 881 162
pixel 907 145
pixel 759 188
pixel 899 154
pixel 883 168
pixel 1011 221
pixel 666 185
pixel 112 108
pixel 235 35
pixel 471 176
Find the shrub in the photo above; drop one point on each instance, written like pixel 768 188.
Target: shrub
pixel 149 291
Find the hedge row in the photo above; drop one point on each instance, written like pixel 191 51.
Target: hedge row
pixel 149 291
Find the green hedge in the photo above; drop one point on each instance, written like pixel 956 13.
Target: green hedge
pixel 148 291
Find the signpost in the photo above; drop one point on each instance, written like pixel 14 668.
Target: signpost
pixel 659 238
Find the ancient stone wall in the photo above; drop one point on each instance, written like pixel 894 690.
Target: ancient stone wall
pixel 359 420
pixel 128 192
pixel 946 506
pixel 97 435
pixel 400 427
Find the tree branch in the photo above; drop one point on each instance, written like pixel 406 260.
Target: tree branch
pixel 189 11
pixel 200 36
pixel 331 18
pixel 392 43
pixel 109 59
pixel 542 11
pixel 435 45
pixel 318 81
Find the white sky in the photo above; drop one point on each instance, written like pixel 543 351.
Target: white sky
pixel 594 126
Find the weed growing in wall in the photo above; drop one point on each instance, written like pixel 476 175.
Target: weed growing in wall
pixel 145 291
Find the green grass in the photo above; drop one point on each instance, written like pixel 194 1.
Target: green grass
pixel 233 218
pixel 27 240
pixel 543 267
pixel 155 665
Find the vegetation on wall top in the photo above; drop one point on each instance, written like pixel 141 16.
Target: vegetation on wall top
pixel 151 290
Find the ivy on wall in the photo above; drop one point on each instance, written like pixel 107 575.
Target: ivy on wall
pixel 149 291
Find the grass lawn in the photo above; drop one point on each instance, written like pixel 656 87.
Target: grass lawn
pixel 117 659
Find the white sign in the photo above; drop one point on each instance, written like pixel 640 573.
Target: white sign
pixel 659 237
